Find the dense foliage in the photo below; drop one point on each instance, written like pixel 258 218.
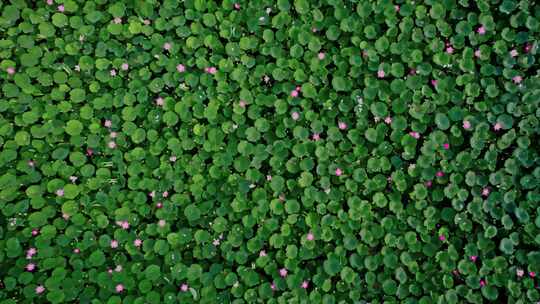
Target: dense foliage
pixel 288 151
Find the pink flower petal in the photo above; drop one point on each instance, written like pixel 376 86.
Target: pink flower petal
pixel 184 287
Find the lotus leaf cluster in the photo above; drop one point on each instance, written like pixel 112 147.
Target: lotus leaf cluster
pixel 269 151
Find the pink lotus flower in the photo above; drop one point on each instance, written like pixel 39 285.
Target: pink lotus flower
pixel 237 6
pixel 269 177
pixel 497 126
pixel 414 134
pixel 159 205
pixel 282 197
pixel 216 242
pixel 89 151
pixel 477 53
pixel 137 242
pixel 242 104
pixel 125 66
pixel 262 253
pixel 35 232
pixel 40 289
pixel 112 144
pixel 412 71
pixel 283 272
pixel 184 287
pixel 107 123
pixel 339 172
pixel 295 115
pixel 473 258
pixel 180 68
pixel 167 46
pixel 298 88
pixel 61 8
pixel 313 30
pixel 30 267
pixel 211 70
pixel 119 288
pixel 532 274
pixel 482 283
pixel 466 124
pixel 380 73
pixel 65 216
pixel 76 250
pixel 520 272
pixel 159 101
pixel 172 158
pixel 31 163
pixel 165 194
pixel 517 79
pixel 527 48
pixel 30 252
pixel 152 194
pixel 109 271
pixel 146 22
pixel 434 82
pixel 60 192
pixel 440 174
pixel 442 238
pixel 316 136
pixel 113 134
pixel 428 183
pixel 450 50
pixel 117 20
pixel 446 146
pixel 273 286
pixel 396 7
pixel 321 55
pixel 310 237
pixel 114 244
pixel 10 70
pixel 388 120
pixel 294 93
pixel 342 125
pixel 514 53
pixel 49 2
pixel 124 225
pixel 485 191
pixel 162 223
pixel 481 30
pixel 305 285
